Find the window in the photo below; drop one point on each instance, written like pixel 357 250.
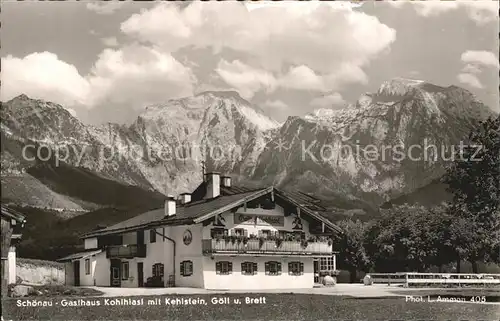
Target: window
pixel 140 237
pixel 186 268
pixel 326 264
pixel 224 267
pixel 248 268
pixel 295 268
pixel 264 233
pixel 87 266
pixel 116 273
pixel 158 270
pixel 218 232
pixel 152 236
pixel 240 232
pixel 273 268
pixel 125 271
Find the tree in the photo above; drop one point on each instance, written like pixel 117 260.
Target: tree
pixel 352 253
pixel 474 179
pixel 407 238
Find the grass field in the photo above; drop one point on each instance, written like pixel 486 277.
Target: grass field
pixel 276 307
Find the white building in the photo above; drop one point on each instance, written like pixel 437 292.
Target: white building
pixel 12 224
pixel 219 237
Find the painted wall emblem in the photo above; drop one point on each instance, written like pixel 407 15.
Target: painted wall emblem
pixel 297 224
pixel 187 238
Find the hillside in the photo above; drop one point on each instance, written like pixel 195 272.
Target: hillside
pixel 113 165
pixel 430 195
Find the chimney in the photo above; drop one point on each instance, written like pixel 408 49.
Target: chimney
pixel 226 181
pixel 213 184
pixel 185 198
pixel 170 205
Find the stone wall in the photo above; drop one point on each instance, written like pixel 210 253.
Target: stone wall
pixel 41 272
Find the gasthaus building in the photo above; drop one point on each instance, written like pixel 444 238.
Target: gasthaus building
pixel 219 237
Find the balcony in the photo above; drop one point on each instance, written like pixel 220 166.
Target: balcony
pixel 126 251
pixel 266 247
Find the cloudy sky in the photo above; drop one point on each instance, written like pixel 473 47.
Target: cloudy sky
pixel 107 61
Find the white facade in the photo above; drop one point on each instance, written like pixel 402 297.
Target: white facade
pixel 189 246
pixel 242 219
pixel 238 280
pixel 11 263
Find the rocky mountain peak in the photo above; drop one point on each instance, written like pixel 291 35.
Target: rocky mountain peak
pixel 257 148
pixel 229 94
pixel 399 86
pixel 21 97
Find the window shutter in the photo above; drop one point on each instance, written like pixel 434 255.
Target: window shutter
pixel 279 267
pixel 230 267
pixel 254 268
pixel 182 268
pixel 301 267
pixel 218 267
pixel 290 268
pixel 267 267
pixel 243 267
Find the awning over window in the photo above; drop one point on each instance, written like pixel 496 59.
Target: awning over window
pixel 80 255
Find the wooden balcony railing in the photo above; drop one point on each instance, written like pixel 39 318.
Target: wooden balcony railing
pixel 126 251
pixel 255 246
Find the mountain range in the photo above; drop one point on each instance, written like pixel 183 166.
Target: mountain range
pixel 163 151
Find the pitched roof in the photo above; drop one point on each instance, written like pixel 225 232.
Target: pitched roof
pixel 79 255
pixel 185 214
pixel 305 202
pixel 13 214
pixel 200 209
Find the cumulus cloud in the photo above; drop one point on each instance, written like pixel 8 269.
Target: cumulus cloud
pixel 480 11
pixel 469 79
pixel 472 69
pixel 43 75
pixel 140 75
pixel 249 80
pixel 110 42
pixel 316 39
pixel 244 78
pixel 275 104
pixel 105 8
pixel 302 78
pixel 475 61
pixel 131 76
pixel 431 8
pixel 328 100
pixel 313 46
pixel 486 58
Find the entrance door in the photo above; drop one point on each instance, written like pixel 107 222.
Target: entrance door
pixel 114 273
pixel 316 270
pixel 140 274
pixel 76 272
